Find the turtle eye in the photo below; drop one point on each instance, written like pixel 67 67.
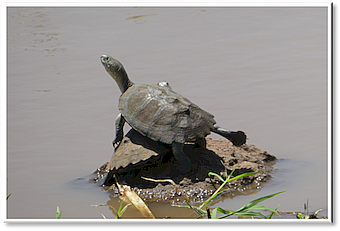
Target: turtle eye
pixel 105 58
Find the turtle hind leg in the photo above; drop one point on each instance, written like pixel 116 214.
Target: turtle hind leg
pixel 182 162
pixel 237 138
pixel 201 142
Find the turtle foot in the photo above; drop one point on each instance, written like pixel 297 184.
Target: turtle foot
pixel 238 138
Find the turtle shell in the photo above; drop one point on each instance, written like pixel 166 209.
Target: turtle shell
pixel 164 115
pixel 136 151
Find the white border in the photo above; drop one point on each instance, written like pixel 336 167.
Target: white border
pixel 330 161
pixel 167 4
pixel 3 93
pixel 3 107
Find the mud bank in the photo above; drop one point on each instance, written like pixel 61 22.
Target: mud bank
pixel 220 157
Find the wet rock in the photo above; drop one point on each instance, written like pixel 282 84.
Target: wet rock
pixel 219 157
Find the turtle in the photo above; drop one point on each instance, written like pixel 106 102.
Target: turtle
pixel 163 115
pixel 134 152
pixel 136 148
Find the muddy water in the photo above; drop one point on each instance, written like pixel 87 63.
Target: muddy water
pixel 262 70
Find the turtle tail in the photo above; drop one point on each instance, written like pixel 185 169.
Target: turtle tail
pixel 237 138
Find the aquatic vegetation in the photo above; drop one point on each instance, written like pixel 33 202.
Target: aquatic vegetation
pixel 312 216
pixel 246 210
pixel 121 210
pixel 58 213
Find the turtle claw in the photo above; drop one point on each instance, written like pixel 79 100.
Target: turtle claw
pixel 116 144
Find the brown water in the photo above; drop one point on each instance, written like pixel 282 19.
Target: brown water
pixel 262 70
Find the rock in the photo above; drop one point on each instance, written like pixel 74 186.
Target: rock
pixel 197 185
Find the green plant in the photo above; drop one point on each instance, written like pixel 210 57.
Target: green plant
pixel 58 213
pixel 246 210
pixel 312 216
pixel 306 206
pixel 225 181
pixel 121 210
pixel 8 196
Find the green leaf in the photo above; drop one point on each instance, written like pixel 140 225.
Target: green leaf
pixel 264 208
pixel 256 201
pixel 8 196
pixel 124 209
pixel 218 176
pixel 197 210
pixel 228 177
pixel 120 207
pixel 218 193
pixel 243 175
pixel 221 186
pixel 271 215
pixel 121 210
pixel 214 214
pixel 300 216
pixel 316 213
pixel 251 213
pixel 220 210
pixel 58 213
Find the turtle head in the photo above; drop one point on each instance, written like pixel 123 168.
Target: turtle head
pixel 117 72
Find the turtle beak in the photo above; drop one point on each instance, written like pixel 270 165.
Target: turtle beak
pixel 104 59
pixel 107 63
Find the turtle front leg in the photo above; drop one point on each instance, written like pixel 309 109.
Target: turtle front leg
pixel 182 161
pixel 120 121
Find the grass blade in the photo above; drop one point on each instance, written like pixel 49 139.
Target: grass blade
pixel 217 191
pixel 244 175
pixel 264 208
pixel 119 210
pixel 214 214
pixel 220 210
pixel 214 174
pixel 197 211
pixel 251 213
pixel 271 215
pixel 123 210
pixel 58 213
pixel 256 201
